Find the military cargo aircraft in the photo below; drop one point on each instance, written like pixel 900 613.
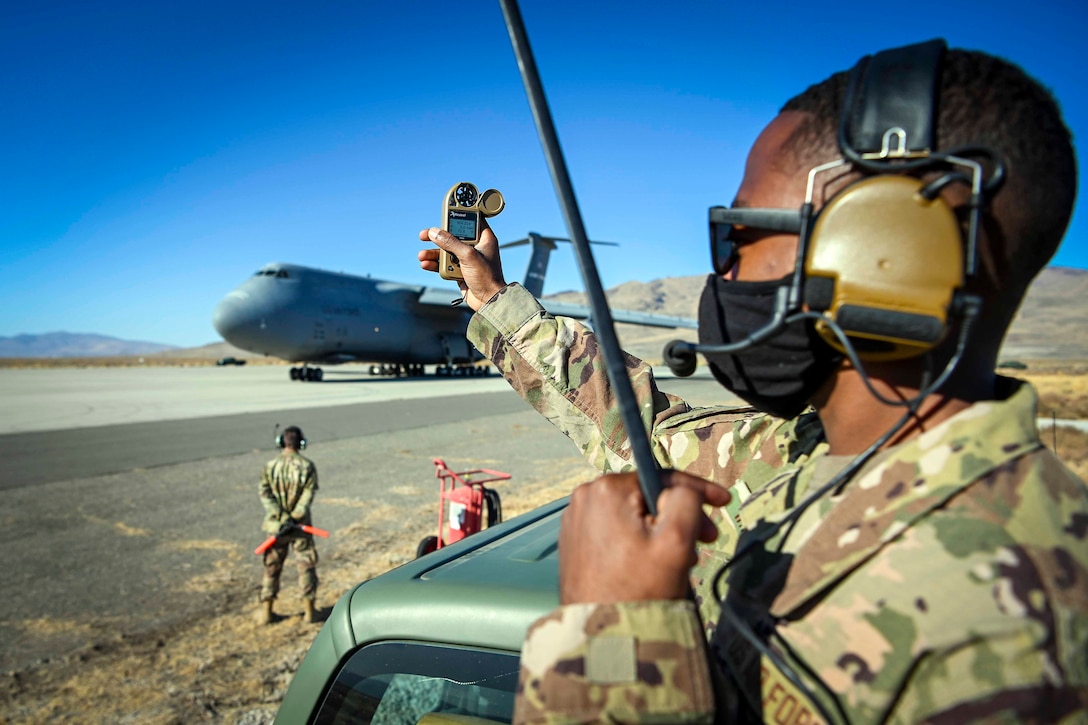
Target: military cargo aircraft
pixel 315 317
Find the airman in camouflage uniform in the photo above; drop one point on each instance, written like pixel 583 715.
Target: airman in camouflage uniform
pixel 952 573
pixel 288 485
pixel 945 580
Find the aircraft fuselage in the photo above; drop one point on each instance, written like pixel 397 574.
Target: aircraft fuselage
pixel 310 315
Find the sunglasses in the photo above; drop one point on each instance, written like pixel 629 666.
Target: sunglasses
pixel 723 248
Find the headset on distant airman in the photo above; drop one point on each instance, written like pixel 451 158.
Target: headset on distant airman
pixel 288 429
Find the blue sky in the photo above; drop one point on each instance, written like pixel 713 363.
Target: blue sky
pixel 154 155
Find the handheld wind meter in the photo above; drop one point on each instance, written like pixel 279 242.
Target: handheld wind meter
pixel 463 209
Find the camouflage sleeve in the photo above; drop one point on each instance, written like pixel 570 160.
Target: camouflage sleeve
pixel 554 363
pixel 271 505
pixel 629 662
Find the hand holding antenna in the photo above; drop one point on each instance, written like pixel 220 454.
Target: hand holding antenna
pixel 612 550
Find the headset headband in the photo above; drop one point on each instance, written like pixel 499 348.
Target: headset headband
pixel 290 429
pixel 896 88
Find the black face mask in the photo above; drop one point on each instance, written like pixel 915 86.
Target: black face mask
pixel 778 375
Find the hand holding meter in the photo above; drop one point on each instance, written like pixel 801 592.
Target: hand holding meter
pixel 463 209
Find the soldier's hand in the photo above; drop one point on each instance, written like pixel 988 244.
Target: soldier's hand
pixel 612 550
pixel 480 264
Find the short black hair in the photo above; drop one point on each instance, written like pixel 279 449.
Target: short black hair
pixel 984 100
pixel 292 436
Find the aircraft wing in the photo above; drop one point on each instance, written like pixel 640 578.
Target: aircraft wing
pixel 443 296
pixel 647 319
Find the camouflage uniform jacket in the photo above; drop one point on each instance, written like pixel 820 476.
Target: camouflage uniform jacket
pixel 948 581
pixel 288 484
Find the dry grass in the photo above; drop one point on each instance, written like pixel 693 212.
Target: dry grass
pixel 1071 446
pixel 1063 394
pixel 1063 391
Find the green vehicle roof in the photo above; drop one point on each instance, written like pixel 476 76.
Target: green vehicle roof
pixel 483 591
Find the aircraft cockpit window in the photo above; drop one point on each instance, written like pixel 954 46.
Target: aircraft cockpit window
pixel 282 274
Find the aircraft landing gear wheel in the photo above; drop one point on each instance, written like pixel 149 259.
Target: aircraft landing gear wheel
pixel 319 375
pixel 294 373
pixel 429 544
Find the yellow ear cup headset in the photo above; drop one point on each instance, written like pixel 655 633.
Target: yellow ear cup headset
pixel 881 268
pixel 884 263
pixel 886 259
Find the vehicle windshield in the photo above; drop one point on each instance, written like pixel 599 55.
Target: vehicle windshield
pixel 399 683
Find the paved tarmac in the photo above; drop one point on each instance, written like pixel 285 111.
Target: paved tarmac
pixel 63 398
pixel 47 456
pixel 66 423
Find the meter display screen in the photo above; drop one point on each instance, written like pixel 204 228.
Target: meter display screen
pixel 464 229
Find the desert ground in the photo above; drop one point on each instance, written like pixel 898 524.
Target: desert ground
pixel 181 645
pixel 214 663
pixel 206 660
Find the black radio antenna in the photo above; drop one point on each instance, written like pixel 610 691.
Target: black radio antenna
pixel 603 326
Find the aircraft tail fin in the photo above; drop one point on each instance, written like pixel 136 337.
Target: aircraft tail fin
pixel 538 260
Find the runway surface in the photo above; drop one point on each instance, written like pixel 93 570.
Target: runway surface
pixel 67 423
pixel 64 398
pixel 76 423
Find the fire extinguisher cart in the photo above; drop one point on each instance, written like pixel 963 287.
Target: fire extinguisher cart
pixel 462 501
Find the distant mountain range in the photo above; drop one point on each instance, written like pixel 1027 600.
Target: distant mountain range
pixel 1052 323
pixel 1053 320
pixel 71 344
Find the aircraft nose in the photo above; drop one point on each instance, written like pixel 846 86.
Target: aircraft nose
pixel 237 319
